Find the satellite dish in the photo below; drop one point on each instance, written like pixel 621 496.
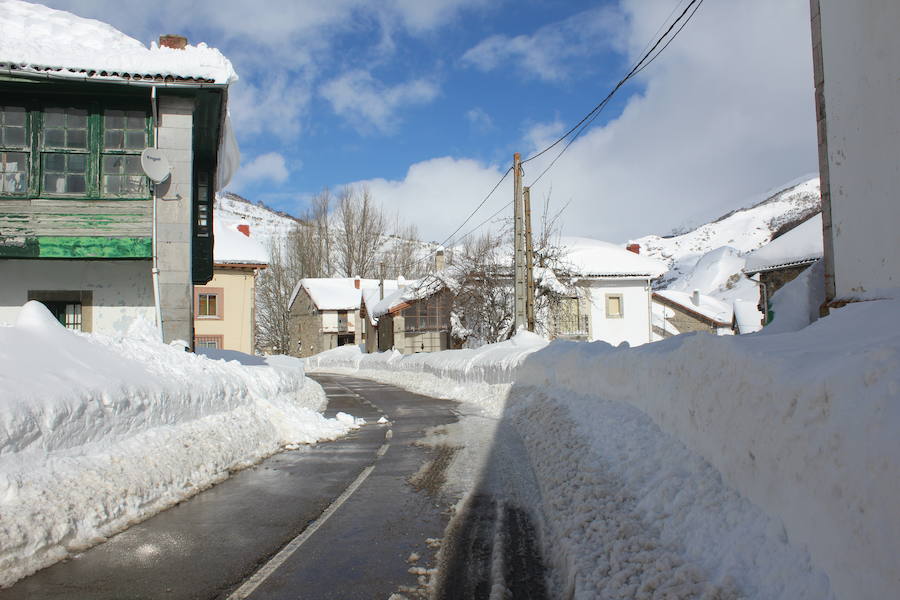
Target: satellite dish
pixel 155 165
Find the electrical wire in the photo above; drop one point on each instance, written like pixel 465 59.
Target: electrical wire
pixel 637 68
pixel 647 58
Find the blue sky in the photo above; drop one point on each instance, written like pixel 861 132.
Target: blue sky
pixel 425 102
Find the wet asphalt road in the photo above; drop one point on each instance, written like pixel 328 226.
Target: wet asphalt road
pixel 208 546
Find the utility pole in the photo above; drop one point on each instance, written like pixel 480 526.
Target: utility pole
pixel 529 262
pixel 521 284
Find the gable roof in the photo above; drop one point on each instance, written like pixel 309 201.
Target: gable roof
pixel 37 40
pixel 594 258
pixel 230 246
pixel 801 245
pixel 403 296
pixel 709 309
pixel 333 293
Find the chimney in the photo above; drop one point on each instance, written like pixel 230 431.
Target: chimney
pixel 356 282
pixel 636 248
pixel 244 228
pixel 695 297
pixel 439 260
pixel 177 42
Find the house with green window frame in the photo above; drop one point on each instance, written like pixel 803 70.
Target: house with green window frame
pixel 82 228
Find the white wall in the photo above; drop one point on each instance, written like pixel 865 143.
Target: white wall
pixel 861 62
pixel 122 291
pixel 634 326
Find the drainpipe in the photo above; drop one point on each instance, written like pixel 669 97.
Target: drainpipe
pixel 154 271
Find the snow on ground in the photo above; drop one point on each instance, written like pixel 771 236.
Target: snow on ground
pixel 756 466
pixel 97 433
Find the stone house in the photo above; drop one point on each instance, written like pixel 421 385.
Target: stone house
pixel 784 258
pixel 324 313
pixel 82 227
pixel 415 318
pixel 676 312
pixel 225 308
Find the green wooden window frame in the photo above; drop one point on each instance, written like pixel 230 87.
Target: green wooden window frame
pixel 74 149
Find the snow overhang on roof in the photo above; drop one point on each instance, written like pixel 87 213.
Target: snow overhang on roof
pixel 709 309
pixel 39 41
pixel 594 258
pixel 231 246
pixel 404 296
pixel 802 245
pixel 333 293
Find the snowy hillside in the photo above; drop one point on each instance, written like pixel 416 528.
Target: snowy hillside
pixel 265 224
pixel 743 230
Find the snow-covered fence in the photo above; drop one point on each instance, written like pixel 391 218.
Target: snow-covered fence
pixel 804 425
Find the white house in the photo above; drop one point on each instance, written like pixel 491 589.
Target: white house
pixel 615 284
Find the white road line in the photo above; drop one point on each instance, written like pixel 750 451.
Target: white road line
pixel 264 572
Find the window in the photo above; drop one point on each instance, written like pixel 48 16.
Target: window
pixel 342 319
pixel 614 307
pixel 208 302
pixel 208 341
pixel 71 308
pixel 14 155
pixel 207 306
pixel 428 314
pixel 88 150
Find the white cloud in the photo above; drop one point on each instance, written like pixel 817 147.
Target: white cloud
pixel 369 104
pixel 270 167
pixel 479 119
pixel 547 53
pixel 726 113
pixel 437 194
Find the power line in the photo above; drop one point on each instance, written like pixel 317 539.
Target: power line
pixel 637 68
pixel 469 218
pixel 647 58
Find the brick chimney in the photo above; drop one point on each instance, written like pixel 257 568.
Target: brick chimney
pixel 356 282
pixel 170 40
pixel 244 228
pixel 636 248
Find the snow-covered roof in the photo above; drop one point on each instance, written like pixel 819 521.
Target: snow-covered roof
pixel 38 39
pixel 371 296
pixel 802 244
pixel 333 293
pixel 415 290
pixel 230 246
pixel 708 307
pixel 591 257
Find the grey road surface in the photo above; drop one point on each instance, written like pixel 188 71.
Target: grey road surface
pixel 210 546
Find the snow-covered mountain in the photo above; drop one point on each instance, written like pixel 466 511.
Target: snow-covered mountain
pixel 731 235
pixel 266 224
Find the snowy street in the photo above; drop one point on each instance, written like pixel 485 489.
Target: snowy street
pixel 213 543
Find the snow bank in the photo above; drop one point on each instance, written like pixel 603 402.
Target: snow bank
pixel 97 433
pixel 764 464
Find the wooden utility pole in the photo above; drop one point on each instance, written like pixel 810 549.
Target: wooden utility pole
pixel 529 262
pixel 521 284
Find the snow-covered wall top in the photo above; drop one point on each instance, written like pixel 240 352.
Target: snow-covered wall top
pixel 801 244
pixel 37 38
pixel 602 259
pixel 232 246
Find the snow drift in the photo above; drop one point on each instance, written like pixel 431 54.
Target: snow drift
pixel 97 433
pixel 762 465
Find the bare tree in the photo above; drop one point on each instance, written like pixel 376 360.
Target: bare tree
pixel 310 245
pixel 273 291
pixel 483 292
pixel 360 233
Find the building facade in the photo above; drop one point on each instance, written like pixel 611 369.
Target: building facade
pixel 82 228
